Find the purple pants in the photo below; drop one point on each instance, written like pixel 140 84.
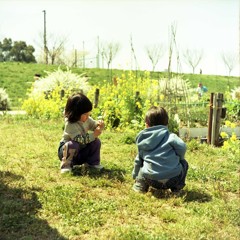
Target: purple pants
pixel 89 154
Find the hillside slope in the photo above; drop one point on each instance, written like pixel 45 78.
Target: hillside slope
pixel 17 78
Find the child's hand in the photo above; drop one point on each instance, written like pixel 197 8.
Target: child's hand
pixel 97 132
pixel 101 124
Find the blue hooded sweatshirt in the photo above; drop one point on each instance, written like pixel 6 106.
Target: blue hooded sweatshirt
pixel 159 153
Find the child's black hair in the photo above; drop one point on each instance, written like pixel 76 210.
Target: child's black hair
pixel 76 105
pixel 156 116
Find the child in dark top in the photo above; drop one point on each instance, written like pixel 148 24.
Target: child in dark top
pixel 80 143
pixel 160 161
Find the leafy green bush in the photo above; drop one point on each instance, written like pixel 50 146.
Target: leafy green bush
pixel 197 117
pixel 232 105
pixel 48 96
pixel 231 144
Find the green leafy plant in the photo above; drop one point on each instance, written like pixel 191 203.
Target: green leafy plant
pixel 230 142
pixel 232 105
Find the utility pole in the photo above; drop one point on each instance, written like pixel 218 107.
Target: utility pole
pixel 98 52
pixel 83 57
pixel 45 38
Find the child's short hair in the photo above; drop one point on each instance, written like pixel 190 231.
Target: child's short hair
pixel 76 105
pixel 156 116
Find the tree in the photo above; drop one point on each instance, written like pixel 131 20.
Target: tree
pixel 5 48
pixel 109 51
pixel 21 52
pixel 154 52
pixel 193 58
pixel 18 52
pixel 230 60
pixel 56 48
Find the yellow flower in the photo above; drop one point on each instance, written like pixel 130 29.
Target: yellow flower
pixel 233 125
pixel 138 105
pixel 233 137
pixel 161 97
pixel 223 134
pixel 225 145
pixel 228 123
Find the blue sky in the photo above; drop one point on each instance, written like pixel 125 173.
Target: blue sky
pixel 208 25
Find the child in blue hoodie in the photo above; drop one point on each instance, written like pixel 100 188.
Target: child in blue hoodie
pixel 160 161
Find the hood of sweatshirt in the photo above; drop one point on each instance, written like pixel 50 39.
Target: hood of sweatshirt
pixel 149 138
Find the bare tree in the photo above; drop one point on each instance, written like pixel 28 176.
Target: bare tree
pixel 133 54
pixel 154 52
pixel 109 51
pixel 54 48
pixel 193 58
pixel 72 58
pixel 230 61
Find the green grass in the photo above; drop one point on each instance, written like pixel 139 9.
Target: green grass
pixel 37 202
pixel 17 78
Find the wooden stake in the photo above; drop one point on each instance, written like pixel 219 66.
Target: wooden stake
pixel 210 119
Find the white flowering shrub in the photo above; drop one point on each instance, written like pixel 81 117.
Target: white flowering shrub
pixel 4 100
pixel 235 93
pixel 46 98
pixel 67 80
pixel 175 86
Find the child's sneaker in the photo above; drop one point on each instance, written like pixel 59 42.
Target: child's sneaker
pixel 66 166
pixel 177 192
pixel 66 163
pixel 99 166
pixel 137 190
pixel 64 170
pixel 140 186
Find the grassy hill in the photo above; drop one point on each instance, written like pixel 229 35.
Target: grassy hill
pixel 17 78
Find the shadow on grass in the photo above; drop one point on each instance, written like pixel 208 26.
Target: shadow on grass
pixel 114 174
pixel 196 196
pixel 18 208
pixel 188 196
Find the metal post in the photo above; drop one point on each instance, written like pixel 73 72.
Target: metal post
pixel 83 59
pixel 45 38
pixel 98 53
pixel 75 56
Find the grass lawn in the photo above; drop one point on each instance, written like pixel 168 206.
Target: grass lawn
pixel 38 202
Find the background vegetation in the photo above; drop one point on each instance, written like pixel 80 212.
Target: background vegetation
pixel 17 78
